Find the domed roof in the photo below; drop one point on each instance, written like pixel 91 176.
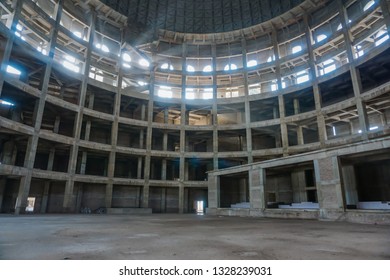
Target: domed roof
pixel 200 16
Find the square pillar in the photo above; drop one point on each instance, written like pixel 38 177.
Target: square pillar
pixel 257 181
pixel 328 181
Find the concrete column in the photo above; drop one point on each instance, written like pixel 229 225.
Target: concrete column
pixel 145 201
pixel 247 104
pixel 164 161
pixel 68 196
pixel 114 139
pixel 355 75
pixel 213 193
pixel 45 197
pixel 329 190
pixel 183 123
pixel 139 168
pixel 3 181
pixel 282 110
pixel 141 142
pixel 350 186
pixel 297 110
pixel 164 200
pixel 84 155
pixel 298 182
pixel 25 182
pixel 214 109
pixel 386 13
pixel 316 89
pixel 257 181
pixel 4 58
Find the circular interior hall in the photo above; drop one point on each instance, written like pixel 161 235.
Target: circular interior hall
pixel 227 107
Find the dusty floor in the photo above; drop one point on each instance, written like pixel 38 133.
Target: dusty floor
pixel 171 236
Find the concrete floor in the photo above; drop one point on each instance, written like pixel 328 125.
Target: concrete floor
pixel 172 236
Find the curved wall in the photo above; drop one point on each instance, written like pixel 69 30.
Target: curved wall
pixel 74 138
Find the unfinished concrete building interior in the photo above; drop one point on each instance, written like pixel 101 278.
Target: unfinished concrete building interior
pixel 268 109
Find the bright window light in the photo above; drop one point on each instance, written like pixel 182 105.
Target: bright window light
pixel 381 37
pixel 6 103
pixel 167 66
pixel 142 83
pixel 271 58
pixel 165 92
pixel 251 63
pixel 374 127
pixel 71 66
pixel 126 65
pixel 369 5
pixel 329 66
pixel 103 48
pixel 296 49
pixel 70 58
pixel 302 79
pixel 359 51
pixel 78 34
pixel 274 87
pixel 208 94
pixel 208 68
pixel 13 70
pixel 69 63
pixel 339 27
pixel 190 68
pixel 190 94
pixel 321 37
pixel 126 57
pixel 230 67
pixel 19 27
pixel 334 130
pixel 143 62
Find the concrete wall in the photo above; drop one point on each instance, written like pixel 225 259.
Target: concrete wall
pixel 126 196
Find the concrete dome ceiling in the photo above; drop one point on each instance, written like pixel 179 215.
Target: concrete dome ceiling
pixel 200 16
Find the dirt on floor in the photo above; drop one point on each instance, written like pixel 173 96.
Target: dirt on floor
pixel 186 237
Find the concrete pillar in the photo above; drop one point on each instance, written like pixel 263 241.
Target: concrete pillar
pixel 243 190
pixel 3 181
pixel 214 110
pixel 350 186
pixel 25 182
pixel 68 196
pixel 282 110
pixel 114 139
pixel 257 180
pixel 183 122
pixel 11 23
pixel 139 168
pixel 145 201
pixel 298 183
pixel 297 110
pixel 386 13
pixel 45 197
pixel 316 89
pixel 164 200
pixel 355 75
pixel 213 193
pixel 329 190
pixel 247 104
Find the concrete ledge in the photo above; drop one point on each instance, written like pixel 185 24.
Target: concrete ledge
pixel 129 210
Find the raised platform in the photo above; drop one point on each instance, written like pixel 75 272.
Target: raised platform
pixel 129 210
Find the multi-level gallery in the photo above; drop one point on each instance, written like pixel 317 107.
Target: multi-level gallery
pixel 230 107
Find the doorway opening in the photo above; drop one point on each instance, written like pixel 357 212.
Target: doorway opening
pixel 30 204
pixel 199 207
